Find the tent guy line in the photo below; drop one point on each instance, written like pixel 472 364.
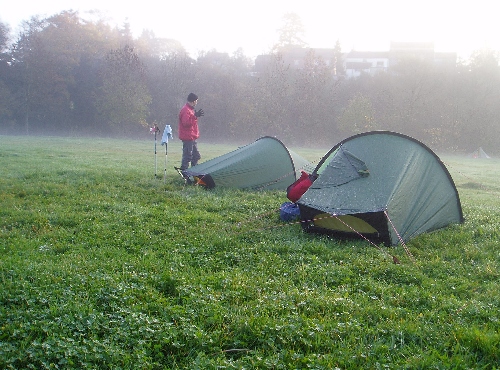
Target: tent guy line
pixel 400 238
pixel 299 222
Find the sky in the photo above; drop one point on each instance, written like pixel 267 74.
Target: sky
pixel 363 25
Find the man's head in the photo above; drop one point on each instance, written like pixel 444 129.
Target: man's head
pixel 192 99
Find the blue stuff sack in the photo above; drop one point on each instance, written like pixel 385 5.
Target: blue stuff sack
pixel 289 212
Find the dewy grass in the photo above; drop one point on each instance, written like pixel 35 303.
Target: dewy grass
pixel 105 266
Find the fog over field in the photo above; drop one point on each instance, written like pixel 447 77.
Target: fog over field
pixel 287 69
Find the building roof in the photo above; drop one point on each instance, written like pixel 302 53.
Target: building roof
pixel 367 54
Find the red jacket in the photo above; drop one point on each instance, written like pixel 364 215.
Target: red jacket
pixel 188 124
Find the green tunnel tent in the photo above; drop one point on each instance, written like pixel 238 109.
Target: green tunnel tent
pixel 265 164
pixel 382 185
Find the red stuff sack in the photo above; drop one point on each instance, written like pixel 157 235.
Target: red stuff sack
pixel 299 187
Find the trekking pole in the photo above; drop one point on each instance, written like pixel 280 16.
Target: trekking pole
pixel 156 163
pixel 165 171
pixel 155 129
pixel 155 155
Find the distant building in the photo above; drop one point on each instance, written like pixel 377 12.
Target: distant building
pixel 370 62
pixel 355 63
pixel 423 50
pixel 297 58
pixel 359 62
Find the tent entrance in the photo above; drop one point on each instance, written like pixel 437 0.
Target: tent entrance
pixel 205 181
pixel 371 225
pixel 346 223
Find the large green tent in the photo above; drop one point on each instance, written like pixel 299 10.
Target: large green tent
pixel 383 186
pixel 262 165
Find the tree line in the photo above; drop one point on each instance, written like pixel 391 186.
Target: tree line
pixel 64 75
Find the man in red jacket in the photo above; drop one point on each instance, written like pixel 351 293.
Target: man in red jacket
pixel 189 132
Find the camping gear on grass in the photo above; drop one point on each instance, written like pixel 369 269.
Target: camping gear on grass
pixel 382 185
pixel 299 187
pixel 289 211
pixel 265 164
pixel 167 134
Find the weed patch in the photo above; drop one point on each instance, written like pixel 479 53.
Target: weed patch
pixel 105 266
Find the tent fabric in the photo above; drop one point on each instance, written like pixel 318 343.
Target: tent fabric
pixel 384 183
pixel 266 164
pixel 346 167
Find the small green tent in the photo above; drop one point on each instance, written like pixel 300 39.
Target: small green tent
pixel 382 185
pixel 479 153
pixel 264 164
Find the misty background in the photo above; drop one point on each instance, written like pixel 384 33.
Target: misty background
pixel 64 75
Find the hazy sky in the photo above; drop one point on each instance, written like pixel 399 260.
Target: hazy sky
pixel 252 25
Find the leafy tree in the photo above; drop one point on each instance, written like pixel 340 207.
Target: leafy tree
pixel 270 96
pixel 338 62
pixel 61 39
pixel 94 40
pixel 314 103
pixel 168 80
pixel 123 99
pixel 28 64
pixel 46 59
pixel 169 74
pixel 291 35
pixel 358 116
pixel 4 38
pixel 222 81
pixel 150 46
pixel 240 109
pixel 408 97
pixel 480 112
pixel 6 99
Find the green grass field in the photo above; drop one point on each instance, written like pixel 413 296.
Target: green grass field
pixel 104 266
